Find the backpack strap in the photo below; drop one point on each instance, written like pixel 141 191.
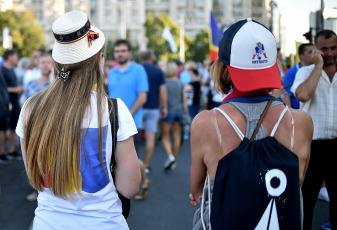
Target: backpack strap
pixel 113 115
pixel 208 183
pixel 263 115
pixel 278 122
pixel 236 129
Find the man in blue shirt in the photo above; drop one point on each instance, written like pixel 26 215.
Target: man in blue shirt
pixel 14 90
pixel 304 52
pixel 4 111
pixel 157 96
pixel 128 81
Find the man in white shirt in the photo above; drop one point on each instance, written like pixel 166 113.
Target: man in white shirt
pixel 315 86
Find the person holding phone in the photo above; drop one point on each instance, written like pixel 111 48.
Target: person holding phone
pixel 315 86
pixel 304 52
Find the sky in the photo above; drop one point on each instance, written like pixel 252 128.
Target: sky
pixel 295 15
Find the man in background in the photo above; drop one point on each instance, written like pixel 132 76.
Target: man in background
pixel 4 111
pixel 304 52
pixel 128 81
pixel 315 86
pixel 156 104
pixel 14 90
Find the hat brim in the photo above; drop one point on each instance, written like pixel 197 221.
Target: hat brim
pixel 78 51
pixel 247 80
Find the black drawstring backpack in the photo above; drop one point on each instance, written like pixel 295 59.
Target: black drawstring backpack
pixel 257 186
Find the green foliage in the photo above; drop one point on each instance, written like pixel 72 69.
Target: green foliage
pixel 199 49
pixel 26 33
pixel 109 53
pixel 154 26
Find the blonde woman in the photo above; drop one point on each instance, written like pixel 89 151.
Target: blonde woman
pixel 66 137
pixel 176 107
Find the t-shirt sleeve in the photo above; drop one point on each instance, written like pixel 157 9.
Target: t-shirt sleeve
pixel 127 126
pixel 21 122
pixel 301 75
pixel 162 78
pixel 289 79
pixel 143 82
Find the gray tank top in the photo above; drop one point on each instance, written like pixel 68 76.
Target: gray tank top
pixel 252 112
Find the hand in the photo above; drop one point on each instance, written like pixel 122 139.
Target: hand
pixel 20 89
pixel 317 58
pixel 278 92
pixel 163 112
pixel 193 202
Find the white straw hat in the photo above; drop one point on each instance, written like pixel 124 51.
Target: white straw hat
pixel 75 38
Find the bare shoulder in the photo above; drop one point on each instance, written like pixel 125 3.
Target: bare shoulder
pixel 202 117
pixel 302 121
pixel 202 126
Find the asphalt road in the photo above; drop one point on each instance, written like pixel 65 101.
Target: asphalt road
pixel 165 208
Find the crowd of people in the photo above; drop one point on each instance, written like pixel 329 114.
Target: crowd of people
pixel 57 103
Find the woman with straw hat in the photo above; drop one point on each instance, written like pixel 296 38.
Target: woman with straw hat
pixel 66 137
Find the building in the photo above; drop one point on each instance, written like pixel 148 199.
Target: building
pixel 114 17
pixel 330 19
pixel 193 14
pixel 125 18
pixel 329 23
pixel 228 12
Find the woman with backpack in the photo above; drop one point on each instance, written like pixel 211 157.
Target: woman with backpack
pixel 249 155
pixel 67 140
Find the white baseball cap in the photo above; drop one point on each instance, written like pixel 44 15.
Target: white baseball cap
pixel 249 50
pixel 75 38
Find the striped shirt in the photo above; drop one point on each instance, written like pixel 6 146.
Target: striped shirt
pixel 322 106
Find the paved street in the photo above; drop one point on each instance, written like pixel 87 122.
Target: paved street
pixel 166 207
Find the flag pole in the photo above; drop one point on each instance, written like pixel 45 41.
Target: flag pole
pixel 181 39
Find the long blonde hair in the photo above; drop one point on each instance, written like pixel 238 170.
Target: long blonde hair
pixel 53 129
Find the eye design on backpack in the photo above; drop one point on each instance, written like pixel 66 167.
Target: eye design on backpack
pixel 276 183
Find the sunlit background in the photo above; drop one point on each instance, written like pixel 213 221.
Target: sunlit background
pixel 142 22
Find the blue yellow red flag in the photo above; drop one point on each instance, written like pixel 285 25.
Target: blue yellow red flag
pixel 215 36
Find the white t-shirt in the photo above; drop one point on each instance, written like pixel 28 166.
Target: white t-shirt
pixel 31 75
pixel 99 207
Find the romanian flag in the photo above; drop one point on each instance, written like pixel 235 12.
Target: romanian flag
pixel 215 36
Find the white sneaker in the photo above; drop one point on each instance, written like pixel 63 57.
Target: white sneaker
pixel 323 195
pixel 173 166
pixel 147 170
pixel 169 162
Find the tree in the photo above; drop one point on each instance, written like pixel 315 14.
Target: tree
pixel 154 26
pixel 199 49
pixel 26 33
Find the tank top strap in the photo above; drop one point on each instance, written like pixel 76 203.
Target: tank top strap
pixel 237 130
pixel 278 122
